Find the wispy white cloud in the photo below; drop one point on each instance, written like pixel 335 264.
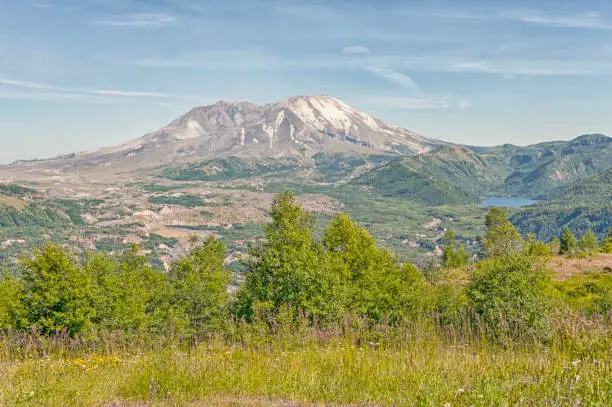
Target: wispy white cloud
pixel 410 103
pixel 110 92
pixel 418 103
pixel 465 104
pixel 587 20
pixel 60 90
pixel 508 68
pixel 356 50
pixel 590 20
pixel 50 96
pixel 27 85
pixel 141 20
pixel 475 66
pixel 54 6
pixel 389 67
pixel 395 77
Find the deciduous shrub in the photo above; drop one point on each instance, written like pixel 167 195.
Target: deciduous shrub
pixel 508 296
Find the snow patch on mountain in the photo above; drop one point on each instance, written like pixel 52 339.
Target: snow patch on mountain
pixel 299 126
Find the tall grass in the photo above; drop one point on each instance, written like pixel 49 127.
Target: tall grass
pixel 355 362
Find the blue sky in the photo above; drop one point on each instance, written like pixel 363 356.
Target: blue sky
pixel 83 74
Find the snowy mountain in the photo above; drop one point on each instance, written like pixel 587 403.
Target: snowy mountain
pixel 300 127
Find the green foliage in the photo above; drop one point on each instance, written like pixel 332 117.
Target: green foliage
pixel 291 277
pixel 131 295
pixel 450 303
pixel 162 188
pixel 555 245
pixel 589 243
pixel 537 248
pixel 496 217
pixel 373 283
pixel 58 295
pixel 454 254
pixel 33 215
pixel 548 219
pixel 502 238
pixel 221 169
pixel 400 179
pixel 592 189
pixel 336 167
pixel 186 200
pixel 289 269
pixel 509 297
pixel 532 169
pixel 199 287
pixel 76 208
pixel 347 274
pixel 606 247
pixel 568 242
pixel 16 190
pixel 12 311
pixel 589 293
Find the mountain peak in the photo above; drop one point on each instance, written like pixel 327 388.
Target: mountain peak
pixel 297 127
pixel 589 139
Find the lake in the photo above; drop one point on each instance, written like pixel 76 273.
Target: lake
pixel 506 201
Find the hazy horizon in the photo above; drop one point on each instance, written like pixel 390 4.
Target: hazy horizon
pixel 81 75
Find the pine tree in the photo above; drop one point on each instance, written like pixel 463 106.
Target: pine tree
pixel 454 254
pixel 568 242
pixel 502 238
pixel 555 245
pixel 589 243
pixel 606 247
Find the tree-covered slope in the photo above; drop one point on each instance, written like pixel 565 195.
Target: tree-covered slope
pixel 220 169
pixel 583 205
pixel 535 170
pixel 448 175
pixel 593 189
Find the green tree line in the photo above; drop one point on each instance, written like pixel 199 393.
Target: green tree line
pixel 292 275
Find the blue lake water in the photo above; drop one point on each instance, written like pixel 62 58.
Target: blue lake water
pixel 506 201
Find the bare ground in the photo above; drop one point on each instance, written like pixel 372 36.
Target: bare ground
pixel 565 268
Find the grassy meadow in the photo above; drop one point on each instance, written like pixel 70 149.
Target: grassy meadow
pixel 417 365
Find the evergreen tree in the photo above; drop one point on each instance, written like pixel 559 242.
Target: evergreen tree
pixel 454 254
pixel 495 218
pixel 589 242
pixel 568 242
pixel 502 238
pixel 555 246
pixel 606 247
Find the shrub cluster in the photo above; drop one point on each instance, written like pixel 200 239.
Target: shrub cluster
pixel 290 276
